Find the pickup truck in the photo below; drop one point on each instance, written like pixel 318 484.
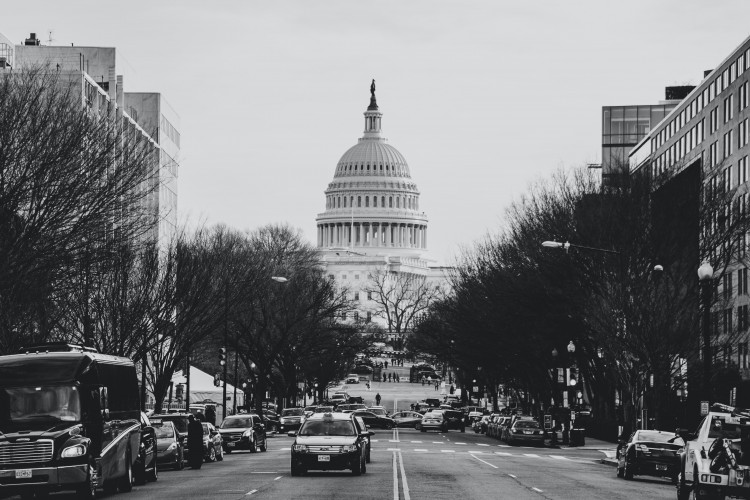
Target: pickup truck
pixel 715 461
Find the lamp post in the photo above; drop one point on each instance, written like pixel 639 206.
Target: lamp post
pixel 705 276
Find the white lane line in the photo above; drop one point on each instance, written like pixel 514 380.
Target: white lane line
pixel 459 443
pixel 511 475
pixel 395 478
pixel 536 489
pixel 438 442
pixel 482 444
pixel 393 449
pixel 531 455
pixel 258 472
pixel 559 457
pixel 475 451
pixel 277 478
pixel 250 492
pixel 417 442
pixel 504 446
pixel 373 440
pixel 393 440
pixel 420 449
pixel 404 484
pixel 447 451
pixel 503 454
pixel 485 462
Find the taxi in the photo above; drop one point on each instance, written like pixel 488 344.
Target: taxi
pixel 329 441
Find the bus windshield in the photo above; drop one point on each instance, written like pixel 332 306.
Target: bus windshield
pixel 50 403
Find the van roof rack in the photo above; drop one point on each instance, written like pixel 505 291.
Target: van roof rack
pixel 55 347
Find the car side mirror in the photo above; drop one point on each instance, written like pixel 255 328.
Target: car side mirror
pixel 370 433
pixel 291 433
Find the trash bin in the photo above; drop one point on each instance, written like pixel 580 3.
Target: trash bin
pixel 577 437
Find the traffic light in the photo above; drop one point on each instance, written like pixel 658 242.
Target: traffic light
pixel 222 356
pixel 217 380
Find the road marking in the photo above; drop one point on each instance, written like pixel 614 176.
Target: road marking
pixel 373 440
pixel 559 457
pixel 250 492
pixel 511 475
pixel 395 478
pixel 531 455
pixel 459 443
pixel 503 454
pixel 536 489
pixel 475 451
pixel 504 446
pixel 258 472
pixel 448 451
pixel 438 442
pixel 393 441
pixel 394 449
pixel 277 478
pixel 482 444
pixel 404 484
pixel 491 465
pixel 417 442
pixel 420 449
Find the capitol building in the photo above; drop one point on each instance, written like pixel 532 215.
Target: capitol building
pixel 372 236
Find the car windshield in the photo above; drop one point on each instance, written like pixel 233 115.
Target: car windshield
pixel 293 412
pixel 526 424
pixel 164 430
pixel 237 422
pixel 324 409
pixel 23 404
pixel 327 428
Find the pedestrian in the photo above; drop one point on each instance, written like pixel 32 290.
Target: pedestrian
pixel 436 385
pixel 195 442
pixel 423 380
pixel 386 365
pixel 368 385
pixel 385 379
pixel 389 377
pixel 377 399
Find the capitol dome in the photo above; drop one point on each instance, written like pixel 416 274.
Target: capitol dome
pixel 372 204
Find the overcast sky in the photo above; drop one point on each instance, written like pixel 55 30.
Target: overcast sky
pixel 482 98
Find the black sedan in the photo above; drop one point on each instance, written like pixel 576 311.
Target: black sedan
pixel 373 420
pixel 649 453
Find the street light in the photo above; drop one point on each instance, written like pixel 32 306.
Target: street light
pixel 706 276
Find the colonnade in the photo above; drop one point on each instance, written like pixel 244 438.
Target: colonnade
pixel 372 234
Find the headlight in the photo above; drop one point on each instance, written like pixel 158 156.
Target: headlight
pixel 74 451
pixel 302 448
pixel 247 433
pixel 642 448
pixel 348 448
pixel 172 447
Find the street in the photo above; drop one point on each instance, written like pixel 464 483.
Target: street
pixel 407 464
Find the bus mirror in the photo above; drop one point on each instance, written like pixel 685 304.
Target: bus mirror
pixel 104 402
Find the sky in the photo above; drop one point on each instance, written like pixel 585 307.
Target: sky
pixel 483 98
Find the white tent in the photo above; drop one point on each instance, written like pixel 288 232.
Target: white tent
pixel 202 389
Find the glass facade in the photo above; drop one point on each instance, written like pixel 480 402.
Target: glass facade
pixel 623 127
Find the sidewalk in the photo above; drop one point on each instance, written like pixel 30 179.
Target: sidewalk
pixel 608 448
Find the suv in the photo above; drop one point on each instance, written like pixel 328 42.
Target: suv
pixel 330 441
pixel 243 432
pixel 712 463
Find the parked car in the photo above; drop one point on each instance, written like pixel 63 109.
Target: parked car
pixel 375 420
pixel 243 432
pixel 364 378
pixel 169 448
pixel 362 429
pixel 291 419
pixel 352 378
pixel 144 468
pixel 338 399
pixel 407 419
pixel 212 443
pixel 351 407
pixel 329 441
pixel 526 432
pixel 649 453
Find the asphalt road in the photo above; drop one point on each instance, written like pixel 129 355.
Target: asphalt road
pixel 407 464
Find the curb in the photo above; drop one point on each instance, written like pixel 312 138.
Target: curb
pixel 609 461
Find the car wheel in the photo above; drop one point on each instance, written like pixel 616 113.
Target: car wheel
pixel 463 428
pixel 154 474
pixel 220 454
pixel 264 446
pixel 139 471
pixel 619 471
pixel 253 446
pixel 364 465
pixel 683 492
pixel 422 429
pixel 357 468
pixel 367 456
pixel 296 470
pixel 211 455
pixel 125 483
pixel 627 472
pixel 228 451
pixel 87 490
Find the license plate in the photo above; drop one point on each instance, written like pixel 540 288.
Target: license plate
pixel 324 458
pixel 230 445
pixel 528 432
pixel 23 473
pixel 661 467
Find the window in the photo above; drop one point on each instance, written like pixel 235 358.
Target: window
pixel 369 316
pixel 713 152
pixel 713 121
pixel 742 169
pixel 728 108
pixel 742 349
pixel 390 202
pixel 727 286
pixel 742 134
pixel 727 320
pixel 382 201
pixel 343 276
pixel 728 144
pixel 356 295
pixel 359 201
pixel 369 295
pixel 356 315
pixel 374 201
pixel 742 281
pixel 743 94
pixel 367 201
pixel 727 179
pixel 356 276
pixel 331 276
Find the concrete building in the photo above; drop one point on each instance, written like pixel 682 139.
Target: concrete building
pixel 372 226
pixel 701 146
pixel 148 114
